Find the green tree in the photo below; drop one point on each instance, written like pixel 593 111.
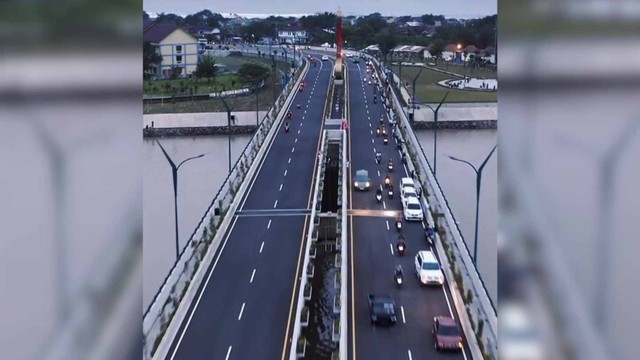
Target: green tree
pixel 253 73
pixel 436 49
pixel 150 56
pixel 386 42
pixel 206 67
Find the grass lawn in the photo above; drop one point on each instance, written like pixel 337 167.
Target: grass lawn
pixel 238 103
pixel 205 86
pixel 427 89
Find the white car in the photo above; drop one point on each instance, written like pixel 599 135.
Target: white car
pixel 519 338
pixel 407 182
pixel 412 209
pixel 325 58
pixel 428 268
pixel 407 193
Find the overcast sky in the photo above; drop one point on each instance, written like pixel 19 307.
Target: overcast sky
pixel 449 8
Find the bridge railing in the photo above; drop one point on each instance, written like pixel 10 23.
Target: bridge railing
pixel 166 301
pixel 473 304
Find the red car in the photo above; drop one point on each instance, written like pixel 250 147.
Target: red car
pixel 446 335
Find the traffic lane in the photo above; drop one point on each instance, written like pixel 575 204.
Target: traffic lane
pixel 267 310
pixel 375 260
pixel 272 171
pixel 214 321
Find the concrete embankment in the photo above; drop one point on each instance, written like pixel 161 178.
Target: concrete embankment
pixel 459 124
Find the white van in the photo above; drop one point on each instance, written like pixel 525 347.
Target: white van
pixel 428 268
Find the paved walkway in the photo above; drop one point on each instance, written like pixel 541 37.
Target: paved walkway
pixel 188 120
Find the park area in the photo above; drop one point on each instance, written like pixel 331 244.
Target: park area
pixel 428 90
pixel 224 80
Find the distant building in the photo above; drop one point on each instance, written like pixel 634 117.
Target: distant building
pixel 178 48
pixel 291 35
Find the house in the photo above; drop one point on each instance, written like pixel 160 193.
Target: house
pixel 178 48
pixel 452 52
pixel 292 35
pixel 489 54
pixel 413 23
pixel 438 23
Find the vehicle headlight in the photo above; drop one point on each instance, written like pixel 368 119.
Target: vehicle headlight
pixel 367 184
pixel 460 344
pixel 355 183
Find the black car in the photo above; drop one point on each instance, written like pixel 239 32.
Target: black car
pixel 382 310
pixel 356 60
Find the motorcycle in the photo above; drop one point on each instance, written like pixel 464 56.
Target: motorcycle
pixel 381 119
pixel 387 181
pixel 379 195
pixel 390 192
pixel 375 100
pixel 298 106
pixel 390 166
pixel 289 115
pixel 399 225
pixel 400 246
pixel 398 278
pixel 378 158
pixel 429 234
pixel 286 128
pixel 385 140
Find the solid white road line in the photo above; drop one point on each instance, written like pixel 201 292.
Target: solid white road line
pixel 269 224
pixel 228 353
pixel 241 311
pixel 252 275
pixel 404 321
pixel 275 204
pixel 446 297
pixel 261 246
pixel 391 247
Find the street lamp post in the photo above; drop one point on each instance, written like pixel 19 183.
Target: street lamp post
pixel 478 180
pixel 413 95
pixel 435 131
pixel 607 164
pixel 229 127
pixel 273 58
pixel 174 170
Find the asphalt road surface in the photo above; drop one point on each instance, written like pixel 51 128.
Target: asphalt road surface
pixel 373 237
pixel 243 309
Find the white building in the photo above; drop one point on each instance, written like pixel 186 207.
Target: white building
pixel 292 36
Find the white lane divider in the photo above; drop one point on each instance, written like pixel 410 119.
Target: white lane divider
pixel 409 351
pixel 261 247
pixel 371 131
pixel 269 224
pixel 252 275
pixel 280 187
pixel 289 160
pixel 384 206
pixel 387 224
pixel 296 141
pixel 404 321
pixel 275 204
pixel 372 141
pixel 379 173
pixel 293 149
pixel 285 172
pixel 241 311
pixel 228 353
pixel 391 248
pixel 298 131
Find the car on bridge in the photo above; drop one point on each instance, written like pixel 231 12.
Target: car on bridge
pixel 362 180
pixel 382 310
pixel 428 268
pixel 412 209
pixel 446 334
pixel 406 193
